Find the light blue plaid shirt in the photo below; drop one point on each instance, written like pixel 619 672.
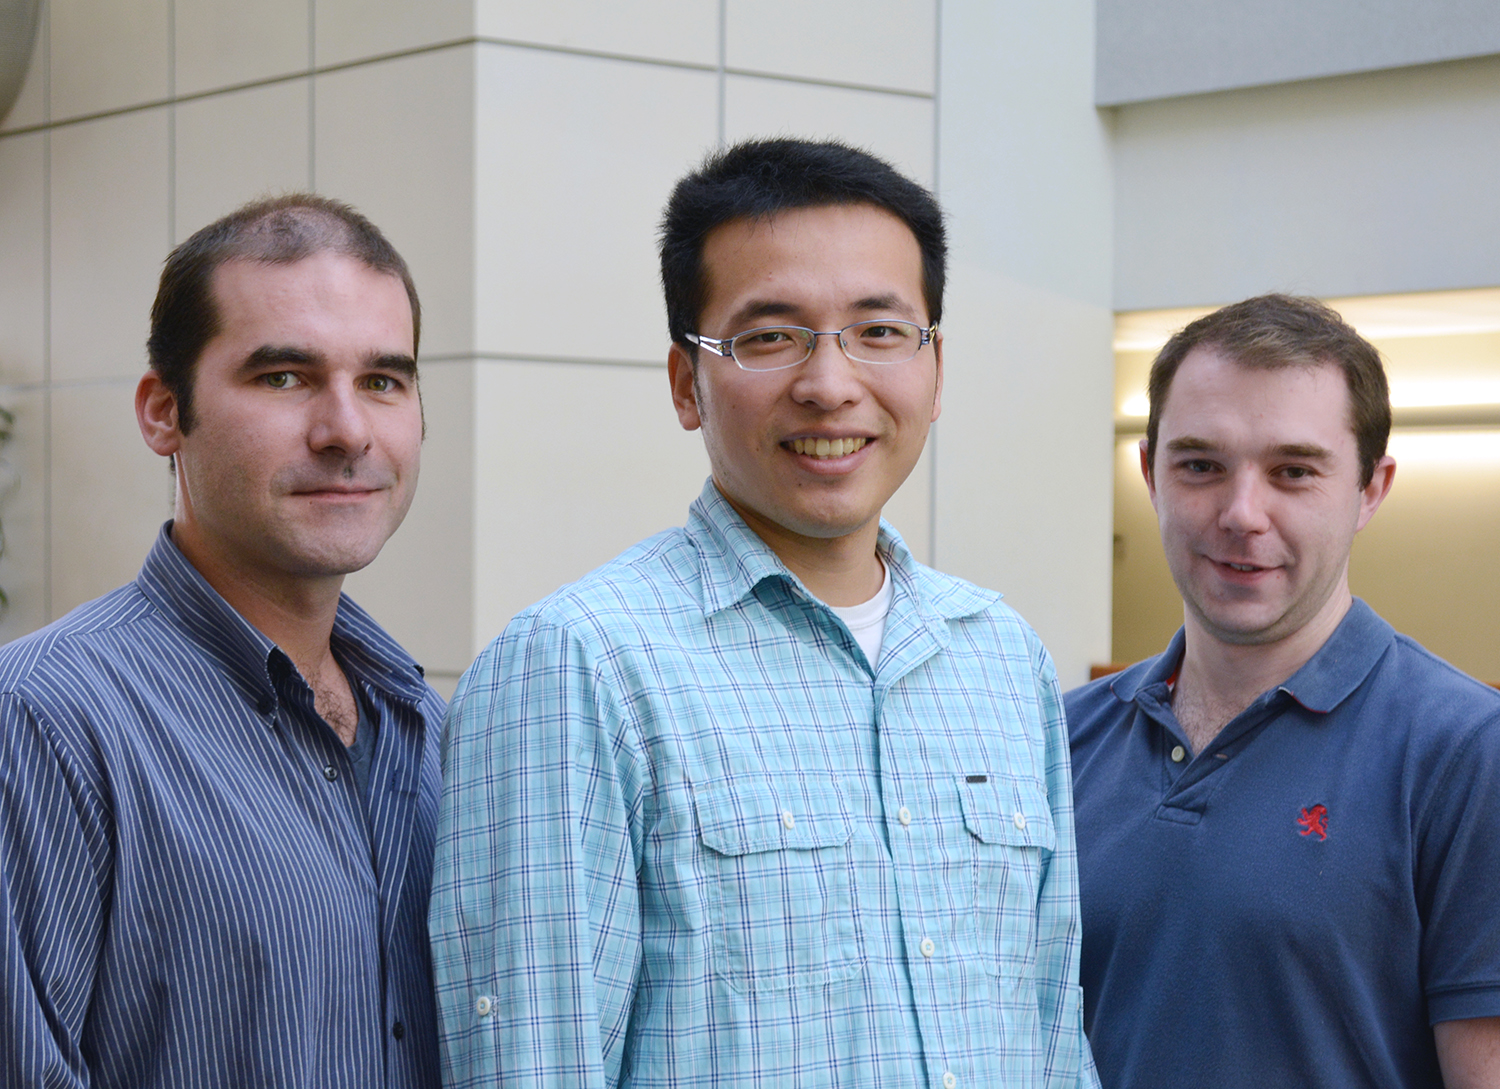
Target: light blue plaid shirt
pixel 690 837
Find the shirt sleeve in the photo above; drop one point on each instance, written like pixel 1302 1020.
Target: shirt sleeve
pixel 1457 817
pixel 1068 1060
pixel 535 916
pixel 55 862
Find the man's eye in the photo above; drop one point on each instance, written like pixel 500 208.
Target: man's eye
pixel 1198 466
pixel 380 383
pixel 766 339
pixel 1296 472
pixel 279 379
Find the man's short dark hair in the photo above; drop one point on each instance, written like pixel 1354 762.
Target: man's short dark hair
pixel 759 178
pixel 278 231
pixel 1275 331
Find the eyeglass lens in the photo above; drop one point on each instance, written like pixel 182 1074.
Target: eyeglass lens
pixel 879 341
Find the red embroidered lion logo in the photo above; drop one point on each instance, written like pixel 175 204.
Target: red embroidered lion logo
pixel 1314 821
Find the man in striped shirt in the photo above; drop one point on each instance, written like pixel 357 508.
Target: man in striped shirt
pixel 218 784
pixel 765 801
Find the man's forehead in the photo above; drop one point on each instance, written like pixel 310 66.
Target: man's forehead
pixel 845 243
pixel 1277 401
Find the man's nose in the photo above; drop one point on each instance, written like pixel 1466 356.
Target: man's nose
pixel 340 421
pixel 828 378
pixel 1246 508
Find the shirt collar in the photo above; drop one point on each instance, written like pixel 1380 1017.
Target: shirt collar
pixel 1325 680
pixel 733 560
pixel 170 581
pixel 1343 662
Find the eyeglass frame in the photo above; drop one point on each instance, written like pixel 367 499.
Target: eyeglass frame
pixel 724 347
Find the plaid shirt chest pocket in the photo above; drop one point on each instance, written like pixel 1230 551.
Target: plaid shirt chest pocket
pixel 1010 829
pixel 776 851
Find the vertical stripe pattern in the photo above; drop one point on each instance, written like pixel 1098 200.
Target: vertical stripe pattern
pixel 190 893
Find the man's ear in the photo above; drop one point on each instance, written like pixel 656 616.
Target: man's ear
pixel 1146 472
pixel 1373 494
pixel 937 396
pixel 156 412
pixel 684 390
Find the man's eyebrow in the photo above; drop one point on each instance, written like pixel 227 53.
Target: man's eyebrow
pixel 1308 451
pixel 885 302
pixel 755 310
pixel 400 363
pixel 279 353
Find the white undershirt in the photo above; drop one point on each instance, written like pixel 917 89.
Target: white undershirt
pixel 866 622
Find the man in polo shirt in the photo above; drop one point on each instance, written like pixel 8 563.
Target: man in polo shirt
pixel 765 801
pixel 1287 822
pixel 219 783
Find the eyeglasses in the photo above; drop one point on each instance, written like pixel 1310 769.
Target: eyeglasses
pixel 776 347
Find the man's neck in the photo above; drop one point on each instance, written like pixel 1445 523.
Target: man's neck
pixel 295 614
pixel 844 570
pixel 1217 680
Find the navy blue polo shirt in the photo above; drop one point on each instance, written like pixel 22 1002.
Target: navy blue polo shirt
pixel 1301 901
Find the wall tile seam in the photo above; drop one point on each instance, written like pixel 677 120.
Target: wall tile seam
pixel 97 382
pixel 459 43
pixel 233 88
pixel 1329 78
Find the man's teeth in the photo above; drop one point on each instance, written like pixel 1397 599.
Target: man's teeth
pixel 827 448
pixel 1243 566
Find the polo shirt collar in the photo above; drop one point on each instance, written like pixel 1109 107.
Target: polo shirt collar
pixel 1325 680
pixel 170 581
pixel 1343 662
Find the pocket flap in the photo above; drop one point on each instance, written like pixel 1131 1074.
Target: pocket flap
pixel 742 815
pixel 1008 811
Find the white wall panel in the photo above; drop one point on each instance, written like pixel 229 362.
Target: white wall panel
pixel 573 464
pixel 875 43
pixel 1162 48
pixel 568 199
pixel 23 267
pixel 110 493
pixel 898 128
pixel 685 31
pixel 355 30
pixel 23 506
pixel 395 139
pixel 1023 446
pixel 106 56
pixel 221 43
pixel 267 153
pixel 109 235
pixel 1369 184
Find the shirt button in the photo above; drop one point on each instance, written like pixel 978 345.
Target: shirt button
pixel 787 819
pixel 330 772
pixel 904 816
pixel 1179 754
pixel 927 947
pixel 949 1081
pixel 1019 820
pixel 398 1030
pixel 484 1005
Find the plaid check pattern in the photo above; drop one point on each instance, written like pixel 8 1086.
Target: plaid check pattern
pixel 689 836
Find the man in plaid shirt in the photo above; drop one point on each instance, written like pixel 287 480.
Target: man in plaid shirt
pixel 765 801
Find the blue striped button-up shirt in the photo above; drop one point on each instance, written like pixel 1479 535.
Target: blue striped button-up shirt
pixel 691 837
pixel 191 894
